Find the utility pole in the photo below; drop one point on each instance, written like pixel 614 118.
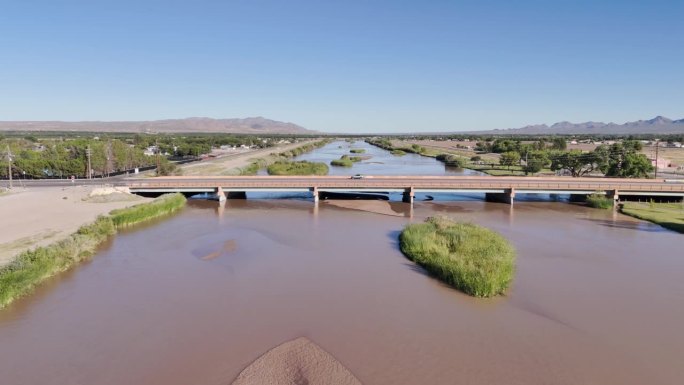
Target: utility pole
pixel 90 174
pixel 656 162
pixel 9 166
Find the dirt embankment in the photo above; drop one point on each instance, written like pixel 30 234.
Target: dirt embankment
pixel 232 163
pixel 40 216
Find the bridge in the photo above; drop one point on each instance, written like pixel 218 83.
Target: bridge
pixel 503 189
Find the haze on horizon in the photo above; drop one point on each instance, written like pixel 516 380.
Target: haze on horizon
pixel 344 66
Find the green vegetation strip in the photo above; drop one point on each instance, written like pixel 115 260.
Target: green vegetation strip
pixel 668 215
pixel 32 267
pixel 285 167
pixel 357 150
pixel 471 258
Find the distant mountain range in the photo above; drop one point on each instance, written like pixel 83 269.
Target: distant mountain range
pixel 657 125
pixel 256 125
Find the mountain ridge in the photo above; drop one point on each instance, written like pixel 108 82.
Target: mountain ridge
pixel 250 125
pixel 657 125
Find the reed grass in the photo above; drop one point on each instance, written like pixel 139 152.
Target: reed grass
pixel 32 267
pixel 468 257
pixel 163 205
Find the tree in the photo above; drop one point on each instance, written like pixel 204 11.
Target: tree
pixel 580 163
pixel 510 158
pixel 536 161
pixel 626 161
pixel 559 143
pixel 505 145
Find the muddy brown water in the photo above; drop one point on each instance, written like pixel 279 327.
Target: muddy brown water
pixel 598 298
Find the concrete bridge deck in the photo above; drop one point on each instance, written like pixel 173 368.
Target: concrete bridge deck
pixel 497 188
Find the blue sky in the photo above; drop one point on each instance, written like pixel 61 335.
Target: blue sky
pixel 344 66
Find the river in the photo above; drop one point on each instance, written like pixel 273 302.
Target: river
pixel 598 298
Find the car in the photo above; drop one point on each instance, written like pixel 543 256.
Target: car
pixel 357 176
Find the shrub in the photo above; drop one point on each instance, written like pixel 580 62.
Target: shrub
pixel 471 258
pixel 599 201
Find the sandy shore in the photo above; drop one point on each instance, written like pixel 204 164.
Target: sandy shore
pixel 40 216
pixel 232 163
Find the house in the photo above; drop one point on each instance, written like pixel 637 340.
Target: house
pixel 661 163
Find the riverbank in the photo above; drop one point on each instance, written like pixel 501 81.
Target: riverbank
pixel 32 267
pixel 44 215
pixel 667 215
pixel 486 165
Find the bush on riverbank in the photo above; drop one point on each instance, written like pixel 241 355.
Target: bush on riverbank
pixel 668 215
pixel 599 201
pixel 284 167
pixel 34 266
pixel 398 152
pixel 471 258
pixel 451 160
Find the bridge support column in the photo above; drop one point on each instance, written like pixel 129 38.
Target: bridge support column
pixel 507 196
pixel 237 195
pixel 409 194
pixel 220 194
pixel 614 195
pixel 314 192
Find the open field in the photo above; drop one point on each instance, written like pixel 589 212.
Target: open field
pixel 451 147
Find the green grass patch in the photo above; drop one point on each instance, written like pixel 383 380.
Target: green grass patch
pixel 668 215
pixel 398 152
pixel 346 161
pixel 357 150
pixel 284 167
pixel 163 205
pixel 599 201
pixel 32 267
pixel 471 258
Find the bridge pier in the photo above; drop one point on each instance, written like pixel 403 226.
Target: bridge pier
pixel 409 194
pixel 507 196
pixel 314 192
pixel 220 194
pixel 614 195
